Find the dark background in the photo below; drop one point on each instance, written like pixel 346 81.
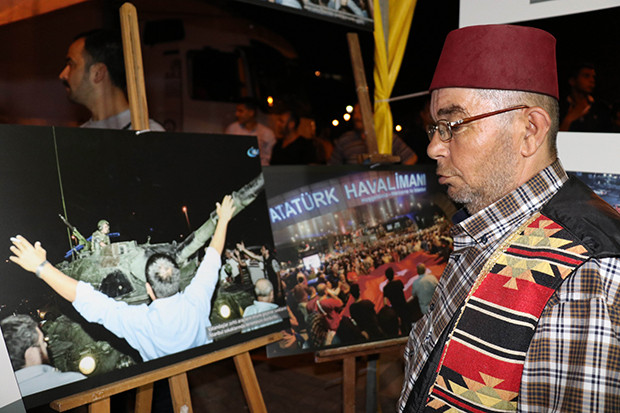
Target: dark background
pixel 585 37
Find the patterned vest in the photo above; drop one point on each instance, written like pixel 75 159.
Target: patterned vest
pixel 482 361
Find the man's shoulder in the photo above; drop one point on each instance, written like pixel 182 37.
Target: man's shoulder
pixel 331 302
pixel 349 137
pixel 400 148
pixel 156 126
pixel 312 303
pixel 233 129
pixel 584 214
pixel 41 377
pixel 267 306
pixel 120 121
pixel 251 309
pixel 264 130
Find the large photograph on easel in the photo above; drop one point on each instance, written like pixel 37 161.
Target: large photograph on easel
pixel 121 211
pixel 353 242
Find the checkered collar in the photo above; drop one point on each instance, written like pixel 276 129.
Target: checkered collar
pixel 491 224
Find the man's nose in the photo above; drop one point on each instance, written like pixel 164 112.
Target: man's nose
pixel 436 148
pixel 63 74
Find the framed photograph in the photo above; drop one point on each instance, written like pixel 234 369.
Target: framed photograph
pixel 474 12
pixel 113 208
pixel 354 13
pixel 351 241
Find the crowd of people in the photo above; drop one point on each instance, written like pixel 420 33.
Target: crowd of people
pixel 294 141
pixel 580 111
pixel 328 305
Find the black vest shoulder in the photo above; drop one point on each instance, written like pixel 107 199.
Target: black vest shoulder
pixel 590 219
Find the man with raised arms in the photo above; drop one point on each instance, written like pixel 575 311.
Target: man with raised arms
pixel 174 321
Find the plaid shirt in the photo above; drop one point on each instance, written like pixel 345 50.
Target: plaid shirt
pixel 573 363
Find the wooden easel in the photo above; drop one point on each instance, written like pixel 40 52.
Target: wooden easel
pixel 361 87
pixel 98 399
pixel 134 69
pixel 348 354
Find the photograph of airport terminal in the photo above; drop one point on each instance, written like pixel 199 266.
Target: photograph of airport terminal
pixel 128 232
pixel 351 244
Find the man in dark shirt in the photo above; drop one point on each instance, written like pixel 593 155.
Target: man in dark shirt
pixel 580 111
pixel 291 148
pixel 364 314
pixel 393 294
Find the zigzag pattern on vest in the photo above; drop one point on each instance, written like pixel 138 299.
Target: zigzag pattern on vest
pixel 483 360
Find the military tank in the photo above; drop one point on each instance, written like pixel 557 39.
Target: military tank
pixel 118 270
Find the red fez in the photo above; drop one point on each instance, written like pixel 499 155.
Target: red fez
pixel 498 57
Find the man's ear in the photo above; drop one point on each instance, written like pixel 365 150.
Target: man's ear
pixel 538 124
pixel 150 292
pixel 98 72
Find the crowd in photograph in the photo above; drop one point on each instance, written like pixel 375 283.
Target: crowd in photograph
pixel 336 304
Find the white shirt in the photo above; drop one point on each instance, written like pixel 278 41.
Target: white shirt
pixel 265 136
pixel 119 121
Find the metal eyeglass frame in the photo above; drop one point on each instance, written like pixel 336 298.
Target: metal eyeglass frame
pixel 444 127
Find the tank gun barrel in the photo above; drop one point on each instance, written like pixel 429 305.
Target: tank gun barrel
pixel 241 198
pixel 64 220
pixel 81 239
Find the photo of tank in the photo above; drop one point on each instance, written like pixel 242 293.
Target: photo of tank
pixel 117 270
pixel 102 212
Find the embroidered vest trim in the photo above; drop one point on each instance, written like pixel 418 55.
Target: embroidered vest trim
pixel 482 362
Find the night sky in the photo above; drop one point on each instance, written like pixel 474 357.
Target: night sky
pixel 111 175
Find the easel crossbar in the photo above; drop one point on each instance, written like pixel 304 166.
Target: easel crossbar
pixel 358 350
pixel 108 390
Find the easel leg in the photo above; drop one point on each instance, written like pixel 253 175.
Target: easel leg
pixel 348 384
pixel 100 406
pixel 144 398
pixel 249 383
pixel 371 384
pixel 179 390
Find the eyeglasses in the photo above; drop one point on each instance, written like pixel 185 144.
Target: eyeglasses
pixel 444 127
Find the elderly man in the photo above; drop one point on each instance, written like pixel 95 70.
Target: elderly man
pixel 264 302
pixel 94 76
pixel 525 316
